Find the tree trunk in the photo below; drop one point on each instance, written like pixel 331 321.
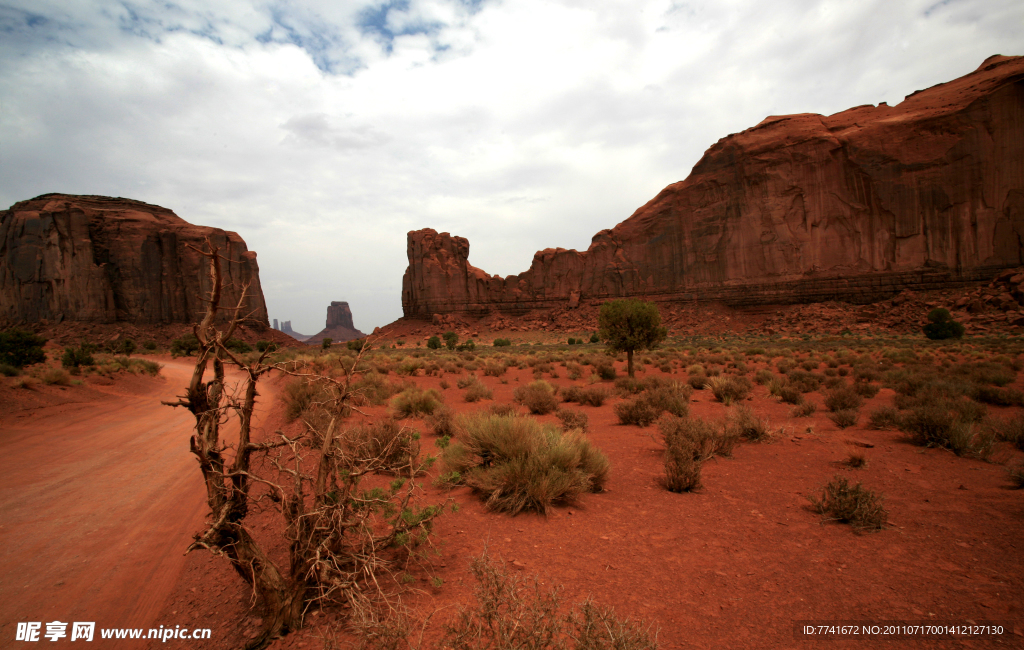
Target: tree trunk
pixel 629 362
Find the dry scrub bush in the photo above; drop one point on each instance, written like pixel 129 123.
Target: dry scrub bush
pixel 729 389
pixel 414 402
pixel 538 396
pixel 865 389
pixel 504 409
pixel 843 399
pixel 517 463
pixel 477 391
pixel 844 418
pixel 514 613
pixel 688 443
pixel 55 377
pixel 860 508
pixel 805 410
pixel 748 426
pixel 856 458
pixel 1012 431
pixel 572 419
pixel 884 417
pixel 638 411
pixel 375 388
pixel 592 396
pixel 1016 473
pixel 937 424
pixel 442 421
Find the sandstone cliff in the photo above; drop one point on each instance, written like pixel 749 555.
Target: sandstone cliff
pixel 339 325
pixel 105 260
pixel 855 206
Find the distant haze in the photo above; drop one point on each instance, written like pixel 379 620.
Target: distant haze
pixel 322 132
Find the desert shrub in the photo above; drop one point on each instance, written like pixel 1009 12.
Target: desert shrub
pixel 865 389
pixel 28 382
pixel 55 377
pixel 763 376
pixel 572 419
pixel 707 439
pixel 238 346
pixel 538 396
pixel 672 397
pixel 77 357
pixel 804 410
pixel 499 343
pixel 19 348
pixel 748 426
pixel 594 338
pixel 637 410
pixel 1012 431
pixel 413 402
pixel 375 388
pixel 517 463
pixel 513 612
pixel 442 421
pixel 494 369
pixel 628 386
pixel 856 458
pixel 1016 473
pixel 396 447
pixel 843 418
pixel 451 339
pixel 789 395
pixel 593 396
pixel 325 344
pixel 998 396
pixel 697 382
pixel 298 395
pixel 884 417
pixel 468 345
pixel 942 326
pixel 149 346
pixel 682 467
pixel 937 424
pixel 843 399
pixel 504 409
pixel 805 382
pixel 185 346
pixel 855 505
pixel 434 343
pixel 477 391
pixel 834 382
pixel 124 346
pixel 142 366
pixel 729 389
pixel 7 370
pixel 606 371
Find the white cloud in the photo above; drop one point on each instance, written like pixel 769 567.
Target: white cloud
pixel 324 131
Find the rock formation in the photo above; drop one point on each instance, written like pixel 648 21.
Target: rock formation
pixel 106 260
pixel 856 206
pixel 286 328
pixel 339 325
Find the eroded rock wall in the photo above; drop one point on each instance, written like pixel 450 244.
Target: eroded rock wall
pixel 855 206
pixel 101 259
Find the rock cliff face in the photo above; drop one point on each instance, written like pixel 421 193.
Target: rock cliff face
pixel 339 325
pixel 101 259
pixel 855 206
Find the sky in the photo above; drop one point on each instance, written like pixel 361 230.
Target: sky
pixel 323 131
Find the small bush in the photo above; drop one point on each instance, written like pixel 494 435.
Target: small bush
pixel 937 424
pixel 843 399
pixel 149 346
pixel 517 463
pixel 413 402
pixel 729 389
pixel 19 348
pixel 7 370
pixel 999 396
pixel 856 459
pixel 394 445
pixel 55 377
pixel 942 326
pixel 606 372
pixel 697 382
pixel 442 421
pixel 748 426
pixel 638 411
pixel 708 439
pixel 1012 431
pixel 477 391
pixel 326 343
pixel 375 388
pixel 77 357
pixel 504 410
pixel 238 346
pixel 843 418
pixel 885 417
pixel 186 346
pixel 805 410
pixel 572 419
pixel 500 343
pixel 538 396
pixel 763 376
pixel 434 343
pixel 864 389
pixel 855 505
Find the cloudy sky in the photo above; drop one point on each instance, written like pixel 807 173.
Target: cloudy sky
pixel 323 131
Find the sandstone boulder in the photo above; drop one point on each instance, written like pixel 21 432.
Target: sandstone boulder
pixel 856 206
pixel 105 260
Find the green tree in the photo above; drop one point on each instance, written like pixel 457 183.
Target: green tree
pixel 451 339
pixel 326 343
pixel 433 342
pixel 630 325
pixel 19 348
pixel 356 344
pixel 942 326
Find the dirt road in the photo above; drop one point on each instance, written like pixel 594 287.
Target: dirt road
pixel 98 502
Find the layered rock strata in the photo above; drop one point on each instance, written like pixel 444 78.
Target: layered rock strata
pixel 105 260
pixel 856 206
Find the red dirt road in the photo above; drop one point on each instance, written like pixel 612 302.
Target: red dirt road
pixel 98 502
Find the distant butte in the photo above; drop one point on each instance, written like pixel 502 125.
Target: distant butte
pixel 855 207
pixel 339 325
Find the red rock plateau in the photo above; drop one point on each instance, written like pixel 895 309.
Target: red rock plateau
pixel 104 260
pixel 339 325
pixel 852 208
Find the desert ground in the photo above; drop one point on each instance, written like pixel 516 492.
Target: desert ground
pixel 101 495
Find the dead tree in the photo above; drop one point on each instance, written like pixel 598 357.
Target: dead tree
pixel 342 540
